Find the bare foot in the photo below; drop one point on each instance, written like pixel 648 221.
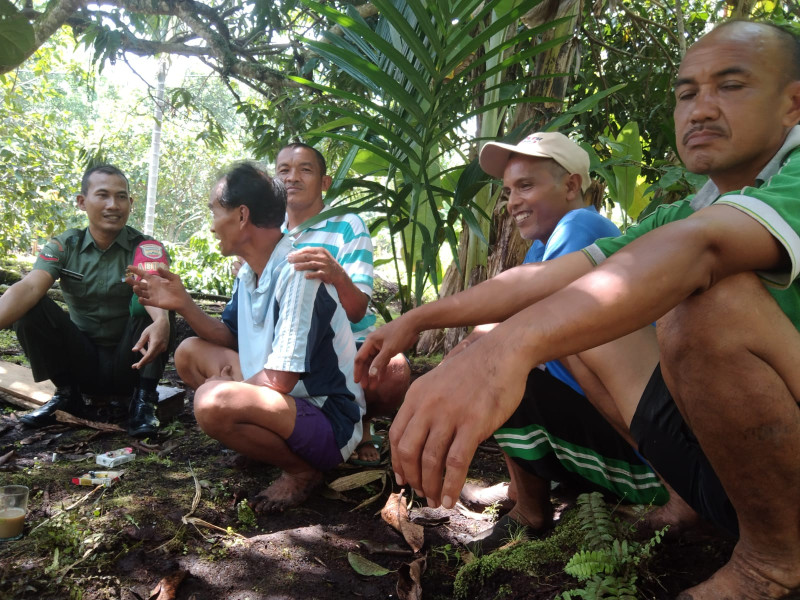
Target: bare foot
pixel 538 519
pixel 676 513
pixel 286 491
pixel 746 578
pixel 366 450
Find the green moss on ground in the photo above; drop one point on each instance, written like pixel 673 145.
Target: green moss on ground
pixel 535 559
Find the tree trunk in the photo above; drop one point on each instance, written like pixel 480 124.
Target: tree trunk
pixel 507 248
pixel 155 150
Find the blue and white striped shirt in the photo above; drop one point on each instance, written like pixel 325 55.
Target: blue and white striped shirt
pixel 285 322
pixel 347 238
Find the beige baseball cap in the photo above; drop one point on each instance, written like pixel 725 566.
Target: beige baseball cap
pixel 543 144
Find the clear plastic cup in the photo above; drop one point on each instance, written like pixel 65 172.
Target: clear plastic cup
pixel 13 508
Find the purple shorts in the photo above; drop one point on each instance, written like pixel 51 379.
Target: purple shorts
pixel 312 438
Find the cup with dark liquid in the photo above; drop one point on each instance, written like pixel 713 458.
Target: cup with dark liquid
pixel 13 507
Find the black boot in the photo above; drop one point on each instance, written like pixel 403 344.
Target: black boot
pixel 67 398
pixel 142 420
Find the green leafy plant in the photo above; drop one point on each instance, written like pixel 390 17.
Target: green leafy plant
pixel 608 562
pixel 421 68
pixel 492 511
pixel 246 515
pixel 200 264
pixel 448 552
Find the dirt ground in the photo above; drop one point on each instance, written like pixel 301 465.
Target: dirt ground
pixel 177 524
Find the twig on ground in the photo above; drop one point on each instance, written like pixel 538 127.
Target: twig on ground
pixel 70 507
pixel 64 417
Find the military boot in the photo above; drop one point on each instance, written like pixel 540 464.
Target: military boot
pixel 142 420
pixel 67 398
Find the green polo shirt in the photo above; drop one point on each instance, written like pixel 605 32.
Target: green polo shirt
pixel 772 201
pixel 99 302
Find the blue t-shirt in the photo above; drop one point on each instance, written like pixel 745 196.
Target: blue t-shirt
pixel 576 230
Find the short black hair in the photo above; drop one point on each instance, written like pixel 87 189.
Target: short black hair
pixel 244 184
pixel 323 166
pixel 787 38
pixel 105 169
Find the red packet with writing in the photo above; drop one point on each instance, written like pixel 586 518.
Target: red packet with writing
pixel 148 256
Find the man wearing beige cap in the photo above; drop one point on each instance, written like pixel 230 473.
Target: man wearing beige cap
pixel 555 434
pixel 717 411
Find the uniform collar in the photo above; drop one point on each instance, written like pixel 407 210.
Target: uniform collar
pixel 123 239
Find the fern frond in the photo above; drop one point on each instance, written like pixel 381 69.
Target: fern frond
pixel 596 521
pixel 588 563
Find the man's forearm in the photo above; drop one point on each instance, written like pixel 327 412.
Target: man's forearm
pixel 157 314
pixel 502 296
pixel 352 299
pixel 18 299
pixel 639 284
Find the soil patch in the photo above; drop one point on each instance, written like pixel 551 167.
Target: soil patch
pixel 119 542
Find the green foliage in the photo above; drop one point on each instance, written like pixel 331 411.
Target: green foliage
pixel 38 156
pixel 16 35
pixel 247 518
pixel 533 558
pixel 448 552
pixel 67 537
pixel 598 527
pixel 421 66
pixel 608 561
pixel 56 118
pixel 200 264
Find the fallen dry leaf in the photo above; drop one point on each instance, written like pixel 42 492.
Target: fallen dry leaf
pixel 79 447
pixel 409 580
pixel 32 438
pixel 167 588
pixel 356 480
pixel 7 456
pixel 395 514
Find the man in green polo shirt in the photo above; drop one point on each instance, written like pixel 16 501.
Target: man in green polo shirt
pixel 108 344
pixel 717 413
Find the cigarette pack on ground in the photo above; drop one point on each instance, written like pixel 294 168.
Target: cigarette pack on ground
pixel 115 457
pixel 106 478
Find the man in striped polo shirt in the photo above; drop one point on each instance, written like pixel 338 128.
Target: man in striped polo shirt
pixel 337 250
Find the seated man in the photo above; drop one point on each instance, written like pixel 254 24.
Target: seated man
pixel 717 412
pixel 338 250
pixel 106 345
pixel 274 378
pixel 555 433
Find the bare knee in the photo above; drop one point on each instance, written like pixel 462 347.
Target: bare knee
pixel 391 390
pixel 212 407
pixel 185 362
pixel 712 324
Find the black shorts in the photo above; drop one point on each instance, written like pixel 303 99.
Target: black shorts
pixel 666 441
pixel 556 434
